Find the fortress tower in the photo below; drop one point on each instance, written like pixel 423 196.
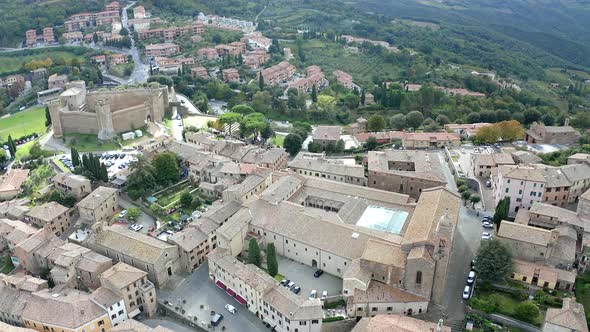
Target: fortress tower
pixel 105 119
pixel 54 108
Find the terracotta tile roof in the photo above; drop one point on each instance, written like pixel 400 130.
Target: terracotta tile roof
pixel 48 211
pixel 96 198
pixel 121 275
pixel 13 179
pixel 524 233
pixel 425 165
pixel 331 133
pixel 136 245
pixel 571 316
pixel 378 292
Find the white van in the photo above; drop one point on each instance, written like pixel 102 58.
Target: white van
pixel 313 294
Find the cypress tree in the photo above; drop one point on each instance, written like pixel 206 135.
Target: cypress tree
pixel 261 82
pixel 85 164
pixel 271 260
pixel 314 94
pixel 75 157
pixel 11 147
pixel 363 97
pixel 254 253
pixel 47 117
pixel 104 173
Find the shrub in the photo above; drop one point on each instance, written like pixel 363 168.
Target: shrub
pixel 527 311
pixel 332 319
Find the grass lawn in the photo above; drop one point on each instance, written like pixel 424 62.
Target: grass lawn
pixel 171 195
pixel 583 291
pixel 6 265
pixel 120 70
pixel 277 140
pixel 23 123
pixel 506 304
pixel 89 143
pixel 279 277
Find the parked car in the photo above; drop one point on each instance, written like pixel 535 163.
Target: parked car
pixel 290 284
pixel 486 218
pixel 487 224
pixel 318 273
pixel 131 226
pixel 486 236
pixel 488 183
pixel 122 214
pixel 313 294
pixel 231 308
pixel 324 294
pixel 216 319
pixel 284 282
pixel 471 277
pixel 296 289
pixel 466 292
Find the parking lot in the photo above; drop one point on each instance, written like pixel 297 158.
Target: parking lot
pixel 202 297
pixel 115 161
pixel 302 276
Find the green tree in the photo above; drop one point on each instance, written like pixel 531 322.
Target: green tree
pixel 363 97
pixel 95 38
pixel 314 94
pixel 165 168
pixel 376 123
pixel 442 119
pixel 11 147
pixel 47 117
pixel 314 147
pixel 75 157
pixel 474 199
pixel 531 115
pixel 260 82
pixel 493 261
pixel 527 311
pixel 397 122
pixel 242 109
pixel 230 118
pixel 292 144
pixel 186 199
pixel 414 119
pixel 371 143
pixel 254 253
pixel 466 195
pixel 272 264
pixel 267 132
pixel 36 151
pixel 133 213
pixel 253 124
pixel 502 211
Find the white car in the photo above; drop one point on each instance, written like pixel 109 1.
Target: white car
pixel 487 224
pixel 466 292
pixel 122 214
pixel 313 294
pixel 324 294
pixel 486 236
pixel 471 277
pixel 231 308
pixel 137 227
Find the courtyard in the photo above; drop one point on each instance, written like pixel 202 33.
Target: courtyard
pixel 302 276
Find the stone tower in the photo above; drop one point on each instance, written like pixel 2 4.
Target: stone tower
pixel 54 109
pixel 105 119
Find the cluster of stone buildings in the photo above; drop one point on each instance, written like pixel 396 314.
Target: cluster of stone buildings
pixel 219 51
pixel 171 33
pixel 344 79
pixel 32 38
pixel 87 20
pixel 527 184
pixel 277 74
pixel 314 77
pixel 351 39
pixel 161 50
pixel 227 23
pixel 172 65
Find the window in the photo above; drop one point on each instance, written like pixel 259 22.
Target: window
pixel 507 189
pixel 374 309
pixel 302 323
pixel 523 278
pixel 314 321
pixel 418 278
pixel 389 309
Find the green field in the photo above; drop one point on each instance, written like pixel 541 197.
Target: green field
pixel 89 143
pixel 11 62
pixel 277 140
pixel 23 123
pixel 362 67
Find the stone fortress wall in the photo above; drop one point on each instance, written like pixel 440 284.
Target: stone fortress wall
pixel 107 113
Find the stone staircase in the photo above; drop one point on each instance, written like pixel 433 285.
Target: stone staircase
pixel 455 325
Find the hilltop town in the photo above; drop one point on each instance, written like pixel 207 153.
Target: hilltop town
pixel 162 171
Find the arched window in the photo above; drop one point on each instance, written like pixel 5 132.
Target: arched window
pixel 419 278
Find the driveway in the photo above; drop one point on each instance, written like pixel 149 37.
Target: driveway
pixel 192 109
pixel 198 290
